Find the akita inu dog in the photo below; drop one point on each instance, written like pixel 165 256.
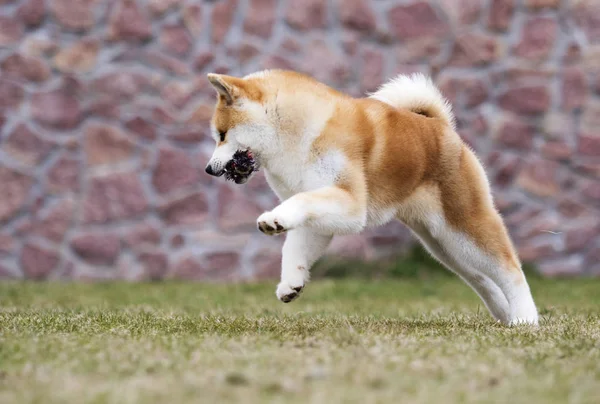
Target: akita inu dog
pixel 340 164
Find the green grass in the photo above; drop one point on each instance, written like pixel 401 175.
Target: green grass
pixel 351 341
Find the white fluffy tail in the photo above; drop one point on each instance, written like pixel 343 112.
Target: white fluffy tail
pixel 417 93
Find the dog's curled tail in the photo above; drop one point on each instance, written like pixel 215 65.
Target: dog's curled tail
pixel 416 93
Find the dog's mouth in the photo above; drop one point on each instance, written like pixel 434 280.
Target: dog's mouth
pixel 241 166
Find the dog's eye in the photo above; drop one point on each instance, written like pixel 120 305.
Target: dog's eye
pixel 222 136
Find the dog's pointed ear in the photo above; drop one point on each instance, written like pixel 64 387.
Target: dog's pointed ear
pixel 225 85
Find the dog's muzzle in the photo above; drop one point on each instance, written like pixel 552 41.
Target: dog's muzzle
pixel 238 169
pixel 215 173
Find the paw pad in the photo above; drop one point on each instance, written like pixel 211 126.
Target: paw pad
pixel 270 229
pixel 289 298
pixel 288 293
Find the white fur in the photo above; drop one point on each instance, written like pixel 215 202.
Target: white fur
pixel 260 74
pixel 301 249
pixel 378 217
pixel 290 169
pixel 327 210
pixel 413 93
pixel 326 170
pixel 504 291
pixel 258 133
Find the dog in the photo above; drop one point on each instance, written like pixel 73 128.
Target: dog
pixel 340 164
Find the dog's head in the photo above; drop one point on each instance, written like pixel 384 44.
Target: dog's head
pixel 242 126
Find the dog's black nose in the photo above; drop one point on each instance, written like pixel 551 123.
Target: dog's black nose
pixel 209 170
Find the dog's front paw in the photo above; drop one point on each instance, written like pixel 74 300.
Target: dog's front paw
pixel 269 223
pixel 286 292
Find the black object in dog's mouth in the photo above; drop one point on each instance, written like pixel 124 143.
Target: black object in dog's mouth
pixel 240 167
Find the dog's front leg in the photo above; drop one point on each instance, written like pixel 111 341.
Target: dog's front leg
pixel 302 248
pixel 329 210
pixel 311 219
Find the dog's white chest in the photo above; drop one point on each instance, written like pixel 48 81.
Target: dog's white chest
pixel 290 176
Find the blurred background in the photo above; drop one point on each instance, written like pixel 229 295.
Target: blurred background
pixel 104 110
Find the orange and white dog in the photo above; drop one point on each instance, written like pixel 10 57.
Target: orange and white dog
pixel 340 164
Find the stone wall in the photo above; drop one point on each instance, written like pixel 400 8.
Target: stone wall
pixel 104 108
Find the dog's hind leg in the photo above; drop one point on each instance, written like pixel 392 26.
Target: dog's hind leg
pixel 488 291
pixel 489 272
pixel 470 231
pixel 302 248
pixel 499 282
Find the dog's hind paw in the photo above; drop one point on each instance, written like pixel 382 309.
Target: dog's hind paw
pixel 287 293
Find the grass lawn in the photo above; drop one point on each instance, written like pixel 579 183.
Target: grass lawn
pixel 351 341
